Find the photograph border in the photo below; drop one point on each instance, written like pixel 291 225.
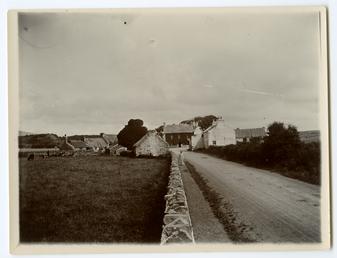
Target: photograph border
pixel 13 91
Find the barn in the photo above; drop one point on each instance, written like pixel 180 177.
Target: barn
pixel 178 134
pixel 151 144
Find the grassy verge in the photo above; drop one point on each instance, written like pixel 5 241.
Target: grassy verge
pixel 92 199
pixel 221 209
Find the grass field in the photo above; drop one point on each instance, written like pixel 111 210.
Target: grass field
pixel 92 199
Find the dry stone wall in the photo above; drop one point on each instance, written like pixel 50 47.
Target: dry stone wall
pixel 177 226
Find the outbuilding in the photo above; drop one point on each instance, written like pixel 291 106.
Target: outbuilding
pixel 151 144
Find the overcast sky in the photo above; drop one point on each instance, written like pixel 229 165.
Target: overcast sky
pixel 91 73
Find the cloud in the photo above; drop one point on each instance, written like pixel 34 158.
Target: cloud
pixel 92 72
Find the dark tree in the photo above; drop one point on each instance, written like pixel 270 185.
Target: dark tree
pixel 203 121
pixel 206 121
pixel 160 129
pixel 282 145
pixel 131 133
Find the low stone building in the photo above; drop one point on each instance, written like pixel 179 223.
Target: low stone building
pixel 151 144
pixel 96 143
pixel 79 145
pixel 111 139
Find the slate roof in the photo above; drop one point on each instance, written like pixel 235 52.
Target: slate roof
pixel 250 133
pixel 180 128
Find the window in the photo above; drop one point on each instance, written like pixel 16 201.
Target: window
pixel 214 142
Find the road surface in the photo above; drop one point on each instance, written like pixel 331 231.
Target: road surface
pixel 267 207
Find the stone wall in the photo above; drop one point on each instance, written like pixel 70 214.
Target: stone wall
pixel 177 226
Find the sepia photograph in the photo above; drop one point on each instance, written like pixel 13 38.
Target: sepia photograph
pixel 170 127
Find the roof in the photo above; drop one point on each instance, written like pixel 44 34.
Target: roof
pixel 249 133
pixel 148 134
pixel 180 128
pixel 78 144
pixel 110 138
pixel 97 142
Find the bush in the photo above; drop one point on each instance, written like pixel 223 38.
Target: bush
pixel 281 150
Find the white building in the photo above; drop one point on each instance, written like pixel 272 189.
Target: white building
pixel 218 134
pixel 196 138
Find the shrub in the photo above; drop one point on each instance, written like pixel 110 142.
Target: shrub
pixel 281 150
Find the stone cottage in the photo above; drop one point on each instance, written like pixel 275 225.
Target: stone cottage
pixel 151 144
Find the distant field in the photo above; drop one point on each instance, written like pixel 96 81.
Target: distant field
pixel 92 199
pixel 310 136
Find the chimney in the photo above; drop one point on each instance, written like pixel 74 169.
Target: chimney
pixel 163 132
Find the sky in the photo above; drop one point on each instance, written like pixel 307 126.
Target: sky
pixel 87 73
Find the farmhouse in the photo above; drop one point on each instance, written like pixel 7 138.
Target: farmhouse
pixel 151 144
pixel 178 135
pixel 246 135
pixel 218 134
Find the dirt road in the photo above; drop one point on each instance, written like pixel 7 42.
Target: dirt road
pixel 266 207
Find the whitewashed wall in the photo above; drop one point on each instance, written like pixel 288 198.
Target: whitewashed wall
pixel 223 135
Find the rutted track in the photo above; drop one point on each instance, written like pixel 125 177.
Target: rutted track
pixel 268 206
